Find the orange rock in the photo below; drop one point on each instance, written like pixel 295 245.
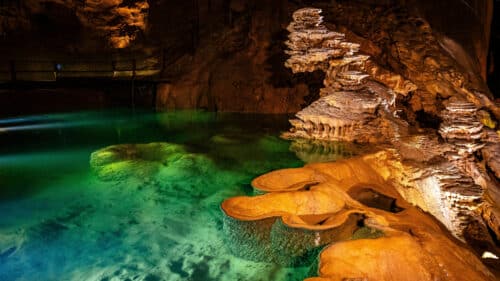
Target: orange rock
pixel 415 246
pixel 398 258
pixel 286 180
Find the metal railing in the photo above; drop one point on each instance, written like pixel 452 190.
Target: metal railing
pixel 53 70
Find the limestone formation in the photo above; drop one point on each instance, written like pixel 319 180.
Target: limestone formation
pixel 169 167
pixel 394 81
pixel 491 152
pixel 347 111
pixel 343 116
pixel 118 162
pixel 119 21
pixel 491 207
pixel 382 259
pixel 444 191
pixel 436 165
pixel 310 43
pixel 461 127
pixel 408 46
pixel 412 240
pixel 443 177
pixel 314 47
pixel 422 148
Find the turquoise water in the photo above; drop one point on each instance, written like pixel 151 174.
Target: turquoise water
pixel 147 212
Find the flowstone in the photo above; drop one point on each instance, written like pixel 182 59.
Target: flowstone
pixel 395 86
pixel 361 191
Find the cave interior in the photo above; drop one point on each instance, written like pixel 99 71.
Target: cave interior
pixel 328 139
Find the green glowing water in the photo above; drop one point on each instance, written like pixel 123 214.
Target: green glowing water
pixel 149 218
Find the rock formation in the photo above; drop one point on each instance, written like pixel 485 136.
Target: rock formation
pixel 435 166
pixel 366 110
pixel 118 21
pixel 461 127
pixel 117 162
pixel 328 196
pixel 168 166
pixel 347 111
pixel 491 152
pixel 237 67
pixel 311 45
pixel 314 47
pixel 336 117
pixel 414 51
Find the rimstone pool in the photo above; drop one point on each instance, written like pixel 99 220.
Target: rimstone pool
pixel 121 195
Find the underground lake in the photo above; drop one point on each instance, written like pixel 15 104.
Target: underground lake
pixel 116 195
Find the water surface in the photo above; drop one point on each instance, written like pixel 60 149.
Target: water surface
pixel 61 221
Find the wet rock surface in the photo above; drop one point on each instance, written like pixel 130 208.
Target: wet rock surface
pixel 430 82
pixel 329 206
pixel 410 95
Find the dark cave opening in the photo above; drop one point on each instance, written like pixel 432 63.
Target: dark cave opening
pixel 373 199
pixel 427 120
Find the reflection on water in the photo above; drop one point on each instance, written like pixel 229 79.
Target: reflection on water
pixel 311 151
pixel 131 212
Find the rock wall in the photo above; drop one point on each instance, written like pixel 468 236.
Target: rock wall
pixel 240 67
pixel 117 21
pixel 468 23
pixel 233 51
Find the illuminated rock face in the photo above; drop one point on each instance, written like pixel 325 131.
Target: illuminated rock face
pixel 308 41
pixel 491 208
pixel 435 169
pixel 406 44
pixel 394 81
pixel 461 127
pixel 121 22
pixel 445 192
pixel 327 197
pixel 118 20
pixel 444 177
pixel 491 152
pixel 314 47
pixel 348 108
pixel 342 116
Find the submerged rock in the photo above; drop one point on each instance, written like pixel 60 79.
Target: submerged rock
pixel 168 166
pixel 118 162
